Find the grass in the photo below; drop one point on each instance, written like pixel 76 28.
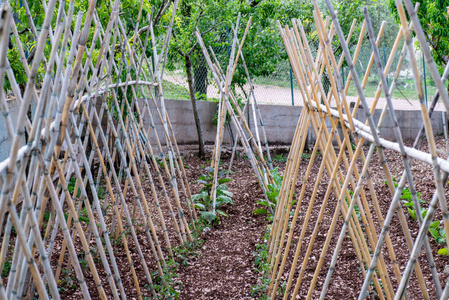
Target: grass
pixel 175 91
pixel 404 89
pixel 283 81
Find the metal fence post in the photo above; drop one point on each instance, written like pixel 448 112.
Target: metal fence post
pixel 385 59
pixel 291 86
pixel 424 77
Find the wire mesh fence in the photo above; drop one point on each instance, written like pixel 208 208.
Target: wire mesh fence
pixel 280 88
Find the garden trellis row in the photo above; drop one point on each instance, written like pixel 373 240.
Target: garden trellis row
pixel 87 135
pixel 228 105
pixel 350 200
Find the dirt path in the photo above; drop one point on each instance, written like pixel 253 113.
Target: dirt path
pixel 224 268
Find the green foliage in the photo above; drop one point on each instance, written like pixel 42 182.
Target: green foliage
pixel 356 207
pixel 71 187
pixel 101 193
pixel 406 198
pixel 272 194
pixel 263 48
pixel 439 234
pixel 433 17
pixel 280 158
pixel 181 256
pixel 348 10
pixel 6 269
pixel 67 281
pixel 129 10
pixel 83 217
pixel 306 156
pixel 262 266
pixel 203 200
pixel 171 288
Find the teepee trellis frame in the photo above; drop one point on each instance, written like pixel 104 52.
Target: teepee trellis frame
pixel 345 175
pixel 227 104
pixel 86 114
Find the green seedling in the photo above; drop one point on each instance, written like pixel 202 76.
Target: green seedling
pixel 272 194
pixel 203 200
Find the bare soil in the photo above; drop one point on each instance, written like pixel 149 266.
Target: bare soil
pixel 224 266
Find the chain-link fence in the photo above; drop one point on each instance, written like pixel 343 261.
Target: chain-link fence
pixel 280 87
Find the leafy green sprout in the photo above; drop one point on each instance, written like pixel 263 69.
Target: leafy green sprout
pixel 280 158
pixel 6 269
pixel 306 156
pixel 272 194
pixel 203 200
pixel 71 186
pixel 407 201
pixel 438 233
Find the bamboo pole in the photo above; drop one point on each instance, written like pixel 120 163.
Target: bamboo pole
pixel 337 137
pixel 371 136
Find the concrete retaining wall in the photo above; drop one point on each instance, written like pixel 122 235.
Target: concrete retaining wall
pixel 280 123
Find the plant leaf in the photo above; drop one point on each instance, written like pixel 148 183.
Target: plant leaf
pixel 224 180
pixel 208 216
pixel 227 193
pixel 443 251
pixel 200 206
pixel 260 211
pixel 262 202
pixel 434 233
pixel 435 225
pixel 225 199
pixel 412 213
pixel 220 212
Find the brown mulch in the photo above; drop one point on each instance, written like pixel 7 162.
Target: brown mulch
pixel 224 266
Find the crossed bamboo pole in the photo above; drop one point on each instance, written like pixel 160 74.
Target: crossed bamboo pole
pixel 67 118
pixel 223 81
pixel 279 251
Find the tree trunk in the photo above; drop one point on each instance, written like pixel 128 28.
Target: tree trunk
pixel 199 129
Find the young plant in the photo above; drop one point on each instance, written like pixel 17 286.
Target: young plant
pixel 406 199
pixel 280 158
pixel 408 202
pixel 262 266
pixel 440 236
pixel 203 200
pixel 272 194
pixel 71 186
pixel 356 207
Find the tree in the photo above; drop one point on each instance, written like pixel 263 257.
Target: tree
pixel 434 18
pixel 263 47
pixel 210 17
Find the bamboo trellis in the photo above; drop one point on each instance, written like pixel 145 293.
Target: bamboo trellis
pixel 342 190
pixel 228 104
pixel 88 134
